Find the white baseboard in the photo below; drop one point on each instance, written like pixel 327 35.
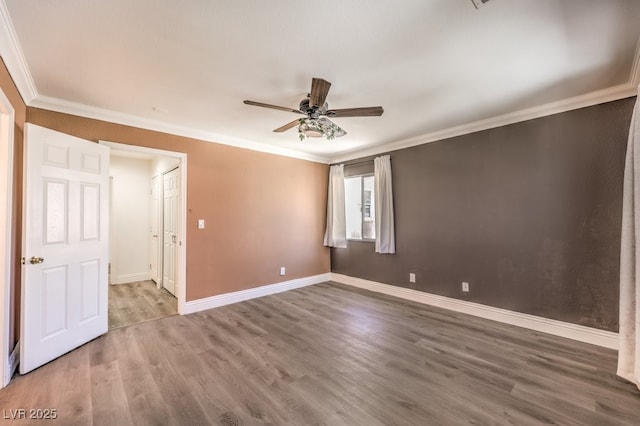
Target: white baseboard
pixel 242 295
pixel 581 333
pixel 130 278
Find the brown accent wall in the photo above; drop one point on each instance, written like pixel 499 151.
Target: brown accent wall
pixel 11 92
pixel 262 211
pixel 529 214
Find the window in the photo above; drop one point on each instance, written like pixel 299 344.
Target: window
pixel 360 207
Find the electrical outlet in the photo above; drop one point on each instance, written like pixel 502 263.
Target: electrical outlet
pixel 465 286
pixel 200 223
pixel 282 270
pixel 412 277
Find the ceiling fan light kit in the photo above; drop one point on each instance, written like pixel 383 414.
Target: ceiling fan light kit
pixel 316 124
pixel 318 127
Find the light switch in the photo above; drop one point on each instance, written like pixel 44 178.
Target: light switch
pixel 200 223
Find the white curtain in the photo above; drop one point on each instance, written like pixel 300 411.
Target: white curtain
pixel 629 350
pixel 385 233
pixel 336 233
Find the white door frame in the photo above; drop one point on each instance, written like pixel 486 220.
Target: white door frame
pixel 181 292
pixel 7 122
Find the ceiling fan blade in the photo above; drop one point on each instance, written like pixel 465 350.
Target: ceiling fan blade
pixel 328 125
pixel 319 90
pixel 355 112
pixel 288 126
pixel 260 104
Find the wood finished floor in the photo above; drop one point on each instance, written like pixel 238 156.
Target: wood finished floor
pixel 329 354
pixel 140 301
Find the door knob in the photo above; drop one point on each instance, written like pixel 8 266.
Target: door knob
pixel 36 260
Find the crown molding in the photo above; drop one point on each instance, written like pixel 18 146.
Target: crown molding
pixel 621 91
pixel 73 108
pixel 13 57
pixel 601 96
pixel 15 61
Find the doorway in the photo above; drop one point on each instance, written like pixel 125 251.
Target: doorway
pixel 66 182
pixel 144 235
pixel 6 204
pixel 146 281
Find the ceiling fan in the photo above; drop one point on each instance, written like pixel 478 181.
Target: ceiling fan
pixel 316 109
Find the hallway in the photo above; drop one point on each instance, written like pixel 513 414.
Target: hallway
pixel 137 302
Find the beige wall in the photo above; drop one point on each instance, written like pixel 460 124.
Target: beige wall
pixel 262 210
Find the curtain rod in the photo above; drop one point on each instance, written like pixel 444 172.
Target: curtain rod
pixel 356 163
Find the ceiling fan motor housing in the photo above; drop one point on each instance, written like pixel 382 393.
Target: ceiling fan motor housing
pixel 312 111
pixel 315 107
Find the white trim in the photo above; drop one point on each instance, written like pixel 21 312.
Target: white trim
pixel 615 93
pixel 11 52
pixel 580 333
pixel 155 152
pixel 252 293
pixel 73 108
pixel 7 123
pixel 13 56
pixel 621 91
pixel 130 278
pixel 181 293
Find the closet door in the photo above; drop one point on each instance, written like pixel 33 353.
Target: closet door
pixel 171 201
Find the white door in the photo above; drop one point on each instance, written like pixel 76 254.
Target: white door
pixel 66 245
pixel 155 237
pixel 170 195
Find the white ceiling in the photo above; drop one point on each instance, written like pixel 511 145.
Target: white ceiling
pixel 438 67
